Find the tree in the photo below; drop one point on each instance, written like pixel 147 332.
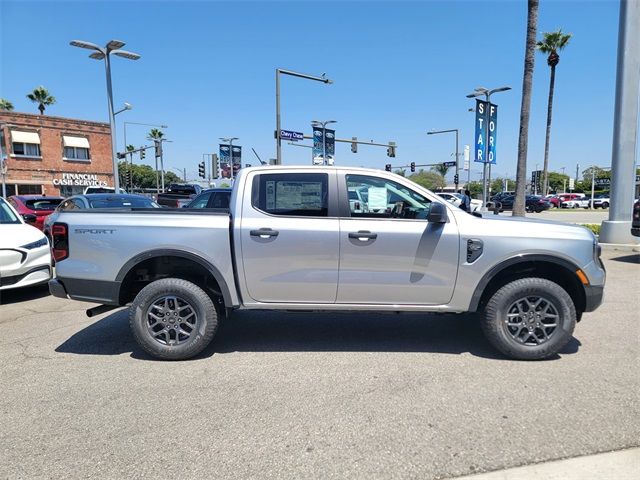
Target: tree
pixel 430 180
pixel 42 97
pixel 441 169
pixel 551 44
pixel 130 148
pixel 155 134
pixel 558 181
pixel 402 172
pixel 144 176
pixel 475 188
pixel 525 107
pixel 6 105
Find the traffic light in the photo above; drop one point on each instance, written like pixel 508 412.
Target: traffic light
pixel 354 145
pixel 158 148
pixel 127 177
pixel 142 153
pixel 387 167
pixel 201 171
pixel 413 167
pixel 214 166
pixel 456 179
pixel 391 151
pixel 121 155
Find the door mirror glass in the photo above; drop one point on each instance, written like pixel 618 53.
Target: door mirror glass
pixel 437 213
pixel 30 218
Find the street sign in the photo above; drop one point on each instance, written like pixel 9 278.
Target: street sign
pixel 291 135
pixel 572 183
pixel 449 164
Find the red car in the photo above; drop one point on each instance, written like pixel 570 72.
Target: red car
pixel 557 200
pixel 39 205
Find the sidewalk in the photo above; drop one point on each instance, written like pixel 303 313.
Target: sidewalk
pixel 618 465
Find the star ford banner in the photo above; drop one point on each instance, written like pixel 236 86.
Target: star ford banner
pixel 486 132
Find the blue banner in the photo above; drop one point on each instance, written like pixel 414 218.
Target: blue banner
pixel 481 128
pixel 318 146
pixel 493 132
pixel 330 145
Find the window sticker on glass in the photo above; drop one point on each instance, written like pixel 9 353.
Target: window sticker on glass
pixel 271 194
pixel 377 198
pixel 298 195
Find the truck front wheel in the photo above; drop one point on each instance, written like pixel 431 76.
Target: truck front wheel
pixel 173 319
pixel 529 319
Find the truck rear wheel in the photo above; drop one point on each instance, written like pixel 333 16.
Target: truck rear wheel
pixel 529 319
pixel 173 319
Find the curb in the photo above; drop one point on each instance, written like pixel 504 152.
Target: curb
pixel 621 247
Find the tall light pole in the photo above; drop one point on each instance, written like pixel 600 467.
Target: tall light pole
pixel 435 132
pixel 230 140
pixel 293 74
pixel 4 168
pixel 487 93
pixel 318 123
pixel 104 53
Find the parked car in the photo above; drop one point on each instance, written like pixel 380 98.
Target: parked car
pixel 456 199
pixel 584 202
pixel 564 197
pixel 125 201
pixel 533 203
pixel 291 242
pixel 179 195
pixel 25 257
pixel 39 205
pixel 601 201
pixel 635 219
pixel 212 198
pixel 98 189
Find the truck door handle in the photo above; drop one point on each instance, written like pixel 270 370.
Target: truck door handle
pixel 264 233
pixel 363 235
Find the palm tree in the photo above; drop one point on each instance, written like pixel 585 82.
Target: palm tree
pixel 441 168
pixel 551 44
pixel 525 107
pixel 5 105
pixel 155 134
pixel 41 96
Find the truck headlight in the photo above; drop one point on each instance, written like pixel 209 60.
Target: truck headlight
pixel 37 244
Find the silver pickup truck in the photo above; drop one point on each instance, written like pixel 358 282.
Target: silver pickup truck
pixel 297 238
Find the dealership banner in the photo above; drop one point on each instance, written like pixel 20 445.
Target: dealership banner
pixel 486 132
pixel 330 145
pixel 318 148
pixel 225 161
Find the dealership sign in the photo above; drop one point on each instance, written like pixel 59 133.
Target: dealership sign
pixel 486 132
pixel 80 179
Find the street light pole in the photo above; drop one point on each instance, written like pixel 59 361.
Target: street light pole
pixel 487 93
pixel 278 125
pixel 104 53
pixel 434 132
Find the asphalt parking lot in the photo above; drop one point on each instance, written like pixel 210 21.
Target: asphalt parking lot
pixel 310 395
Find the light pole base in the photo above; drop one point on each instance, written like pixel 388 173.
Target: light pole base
pixel 617 231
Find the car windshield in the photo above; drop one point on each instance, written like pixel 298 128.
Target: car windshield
pixel 6 214
pixel 126 202
pixel 43 204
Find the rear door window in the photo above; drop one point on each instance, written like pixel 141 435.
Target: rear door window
pixel 291 194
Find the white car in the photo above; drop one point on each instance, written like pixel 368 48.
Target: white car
pixel 576 203
pixel 25 257
pixel 456 199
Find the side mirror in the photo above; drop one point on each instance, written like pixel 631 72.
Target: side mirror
pixel 30 218
pixel 437 213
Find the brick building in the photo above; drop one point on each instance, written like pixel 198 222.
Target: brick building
pixel 54 155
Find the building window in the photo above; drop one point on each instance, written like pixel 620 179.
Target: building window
pixel 29 189
pixel 76 153
pixel 25 144
pixel 76 148
pixel 26 149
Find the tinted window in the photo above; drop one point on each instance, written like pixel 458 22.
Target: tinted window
pixel 220 200
pixel 299 194
pixel 382 198
pixel 201 201
pixel 120 202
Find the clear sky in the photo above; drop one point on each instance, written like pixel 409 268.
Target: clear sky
pixel 400 69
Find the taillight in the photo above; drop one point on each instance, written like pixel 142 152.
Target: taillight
pixel 60 241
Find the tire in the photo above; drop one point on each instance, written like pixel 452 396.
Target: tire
pixel 605 205
pixel 524 338
pixel 575 205
pixel 185 319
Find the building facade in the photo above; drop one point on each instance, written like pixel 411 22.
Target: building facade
pixel 54 155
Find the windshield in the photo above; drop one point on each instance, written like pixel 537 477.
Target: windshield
pixel 126 202
pixel 6 214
